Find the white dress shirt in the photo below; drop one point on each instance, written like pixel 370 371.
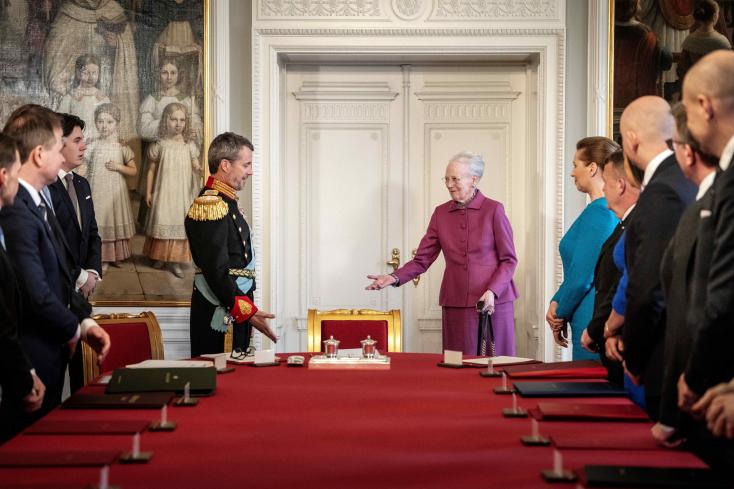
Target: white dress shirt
pixel 706 183
pixel 653 165
pixel 727 154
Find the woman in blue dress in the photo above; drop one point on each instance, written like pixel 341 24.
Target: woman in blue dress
pixel 573 303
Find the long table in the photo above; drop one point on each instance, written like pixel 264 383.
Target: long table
pixel 415 425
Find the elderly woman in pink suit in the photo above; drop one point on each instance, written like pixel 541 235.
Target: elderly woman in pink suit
pixel 476 239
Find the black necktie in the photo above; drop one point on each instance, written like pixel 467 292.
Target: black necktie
pixel 57 235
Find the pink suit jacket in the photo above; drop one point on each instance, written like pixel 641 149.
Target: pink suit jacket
pixel 478 248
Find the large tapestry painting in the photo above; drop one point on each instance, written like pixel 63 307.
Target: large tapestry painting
pixel 133 71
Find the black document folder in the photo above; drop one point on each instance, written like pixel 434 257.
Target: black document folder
pixel 638 477
pixel 202 380
pixel 568 389
pixel 148 400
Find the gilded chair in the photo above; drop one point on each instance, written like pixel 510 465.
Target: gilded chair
pixel 350 326
pixel 134 338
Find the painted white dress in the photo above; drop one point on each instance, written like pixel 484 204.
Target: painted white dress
pixel 174 189
pixel 83 106
pixel 111 197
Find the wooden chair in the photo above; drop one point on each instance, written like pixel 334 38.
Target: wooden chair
pixel 350 326
pixel 134 337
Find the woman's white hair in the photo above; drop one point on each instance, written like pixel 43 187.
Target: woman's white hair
pixel 474 161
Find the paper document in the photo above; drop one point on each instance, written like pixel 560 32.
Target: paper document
pixel 499 360
pixel 171 364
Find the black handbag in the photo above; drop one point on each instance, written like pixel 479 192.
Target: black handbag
pixel 485 345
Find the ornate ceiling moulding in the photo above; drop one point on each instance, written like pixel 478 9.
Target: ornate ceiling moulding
pixel 319 9
pixel 495 10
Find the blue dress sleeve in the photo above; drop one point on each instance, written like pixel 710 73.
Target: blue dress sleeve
pixel 596 223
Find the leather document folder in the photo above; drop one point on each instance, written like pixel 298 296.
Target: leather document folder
pixel 596 412
pixel 87 427
pixel 584 369
pixel 59 458
pixel 631 476
pixel 568 389
pixel 147 400
pixel 202 381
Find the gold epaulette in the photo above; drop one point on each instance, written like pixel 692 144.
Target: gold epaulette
pixel 208 208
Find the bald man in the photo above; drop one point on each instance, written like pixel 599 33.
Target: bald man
pixel 646 126
pixel 708 96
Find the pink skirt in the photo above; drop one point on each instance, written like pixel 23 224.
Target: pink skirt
pixel 461 328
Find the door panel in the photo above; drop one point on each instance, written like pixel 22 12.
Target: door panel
pixel 341 215
pixel 365 155
pixel 477 109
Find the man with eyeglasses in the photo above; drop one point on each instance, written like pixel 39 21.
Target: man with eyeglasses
pixel 677 277
pixel 708 96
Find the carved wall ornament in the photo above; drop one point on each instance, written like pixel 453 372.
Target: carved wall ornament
pixel 409 9
pixel 495 9
pixel 280 9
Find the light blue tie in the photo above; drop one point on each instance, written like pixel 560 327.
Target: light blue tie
pixel 2 239
pixel 47 196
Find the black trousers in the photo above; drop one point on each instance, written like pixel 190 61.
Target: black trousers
pixel 203 338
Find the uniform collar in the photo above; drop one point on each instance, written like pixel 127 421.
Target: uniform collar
pixel 222 188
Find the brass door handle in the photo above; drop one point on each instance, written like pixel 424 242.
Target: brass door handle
pixel 395 262
pixel 418 278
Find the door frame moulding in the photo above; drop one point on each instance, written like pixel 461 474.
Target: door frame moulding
pixel 271 50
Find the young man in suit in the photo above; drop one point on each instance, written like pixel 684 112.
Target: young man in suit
pixel 621 197
pixel 708 96
pixel 72 201
pixel 22 390
pixel 50 331
pixel 646 126
pixel 677 277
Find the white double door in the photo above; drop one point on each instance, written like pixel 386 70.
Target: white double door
pixel 365 153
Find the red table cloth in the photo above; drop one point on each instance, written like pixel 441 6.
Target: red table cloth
pixel 414 426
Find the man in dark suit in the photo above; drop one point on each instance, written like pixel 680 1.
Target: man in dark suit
pixel 22 390
pixel 74 209
pixel 707 97
pixel 646 126
pixel 621 198
pixel 677 276
pixel 220 244
pixel 50 330
pixel 72 201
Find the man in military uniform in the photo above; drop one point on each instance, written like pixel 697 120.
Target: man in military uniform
pixel 219 238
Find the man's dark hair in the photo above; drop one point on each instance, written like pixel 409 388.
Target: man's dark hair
pixel 31 126
pixel 69 122
pixel 226 146
pixel 8 149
